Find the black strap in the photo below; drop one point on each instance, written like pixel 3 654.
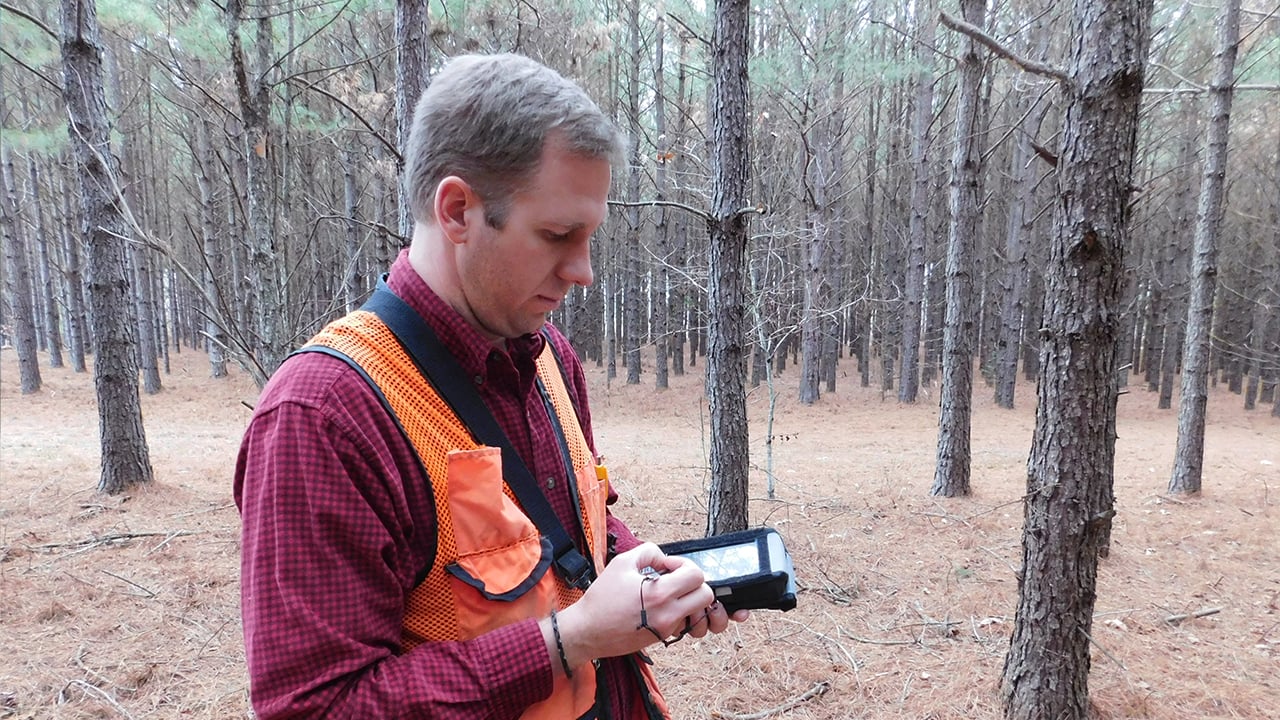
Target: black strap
pixel 442 370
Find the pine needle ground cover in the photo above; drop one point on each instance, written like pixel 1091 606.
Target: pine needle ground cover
pixel 128 607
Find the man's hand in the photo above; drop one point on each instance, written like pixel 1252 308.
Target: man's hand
pixel 671 593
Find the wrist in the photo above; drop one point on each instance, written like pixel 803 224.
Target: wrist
pixel 559 643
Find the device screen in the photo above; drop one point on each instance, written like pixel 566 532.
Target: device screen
pixel 727 562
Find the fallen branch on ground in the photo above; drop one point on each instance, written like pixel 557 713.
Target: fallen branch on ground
pixel 1175 619
pixel 108 539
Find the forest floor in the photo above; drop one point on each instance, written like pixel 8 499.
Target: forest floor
pixel 127 607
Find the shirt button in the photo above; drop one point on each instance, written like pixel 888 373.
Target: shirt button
pixel 551 483
pixel 479 380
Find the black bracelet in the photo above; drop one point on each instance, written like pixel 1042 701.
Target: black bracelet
pixel 555 630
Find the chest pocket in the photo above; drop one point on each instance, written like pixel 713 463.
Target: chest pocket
pixel 502 559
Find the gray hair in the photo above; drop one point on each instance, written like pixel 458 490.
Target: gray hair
pixel 485 119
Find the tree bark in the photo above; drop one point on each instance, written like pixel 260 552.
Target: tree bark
pixel 1070 472
pixel 951 475
pixel 1194 398
pixel 125 458
pixel 726 342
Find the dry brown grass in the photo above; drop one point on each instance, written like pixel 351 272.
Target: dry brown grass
pixel 128 607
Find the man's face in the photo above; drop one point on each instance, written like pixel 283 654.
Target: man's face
pixel 513 277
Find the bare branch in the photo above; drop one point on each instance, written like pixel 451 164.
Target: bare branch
pixel 665 203
pixel 30 18
pixel 994 46
pixel 1196 90
pixel 692 33
pixel 390 146
pixel 32 70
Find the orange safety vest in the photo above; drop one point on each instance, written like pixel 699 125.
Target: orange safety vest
pixel 492 566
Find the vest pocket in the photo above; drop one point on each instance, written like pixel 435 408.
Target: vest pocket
pixel 492 573
pixel 501 554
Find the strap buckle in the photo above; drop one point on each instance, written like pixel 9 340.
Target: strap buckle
pixel 575 569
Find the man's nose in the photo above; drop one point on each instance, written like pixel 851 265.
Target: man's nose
pixel 576 267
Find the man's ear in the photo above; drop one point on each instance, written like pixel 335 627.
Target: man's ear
pixel 457 208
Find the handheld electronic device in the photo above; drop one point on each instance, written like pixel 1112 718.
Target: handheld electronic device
pixel 748 570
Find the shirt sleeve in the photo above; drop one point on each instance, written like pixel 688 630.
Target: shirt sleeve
pixel 331 546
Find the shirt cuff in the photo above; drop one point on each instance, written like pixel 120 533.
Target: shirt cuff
pixel 520 674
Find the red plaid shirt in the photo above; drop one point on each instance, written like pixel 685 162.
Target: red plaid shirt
pixel 339 526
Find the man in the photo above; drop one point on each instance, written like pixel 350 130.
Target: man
pixel 389 567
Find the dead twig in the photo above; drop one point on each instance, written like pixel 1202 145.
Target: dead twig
pixel 149 593
pixel 835 593
pixel 869 641
pixel 91 689
pixel 1203 612
pixel 97 540
pixel 213 509
pixel 1099 645
pixel 818 689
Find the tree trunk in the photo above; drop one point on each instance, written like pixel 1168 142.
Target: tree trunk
pixel 144 299
pixel 818 174
pixel 633 301
pixel 44 239
pixel 727 502
pixel 1173 266
pixel 1274 347
pixel 125 458
pixel 413 28
pixel 681 292
pixel 1023 170
pixel 1070 472
pixel 913 289
pixel 215 337
pixel 1264 259
pixel 869 241
pixel 18 282
pixel 266 272
pixel 951 476
pixel 352 292
pixel 72 278
pixel 662 229
pixel 1189 454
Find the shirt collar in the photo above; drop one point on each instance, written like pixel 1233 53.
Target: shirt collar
pixel 473 351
